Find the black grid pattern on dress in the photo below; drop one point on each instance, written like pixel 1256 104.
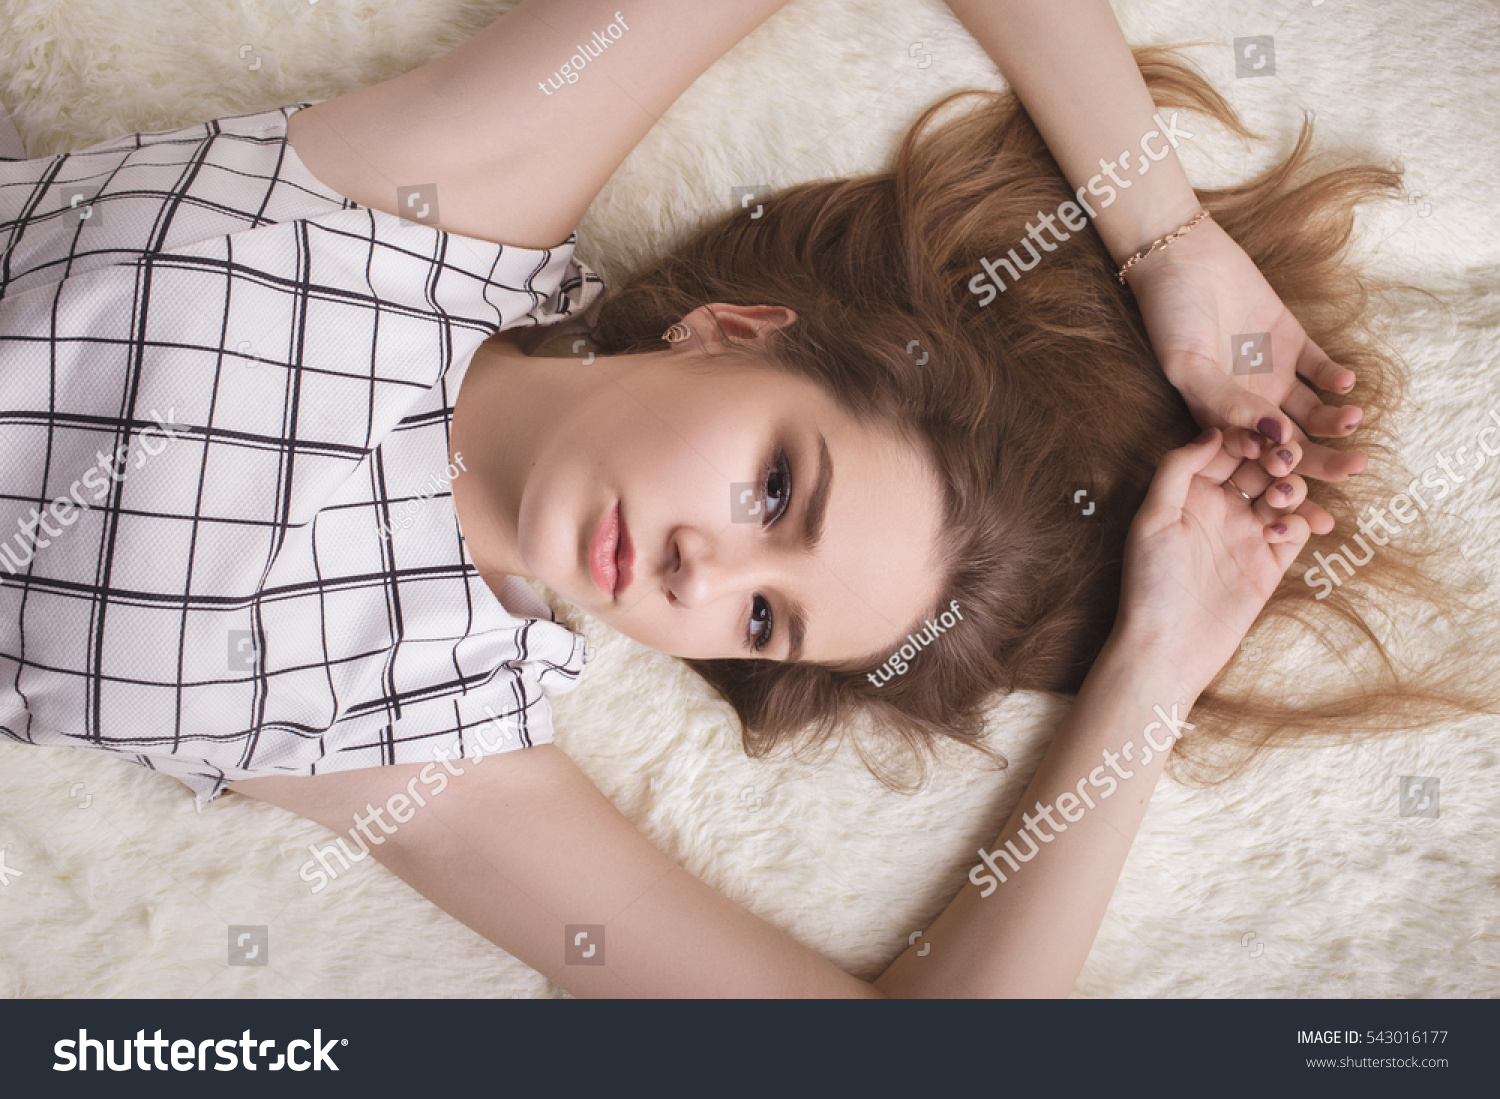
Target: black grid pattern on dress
pixel 240 384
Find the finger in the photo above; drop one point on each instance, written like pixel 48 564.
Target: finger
pixel 1169 488
pixel 1281 458
pixel 1287 536
pixel 1223 465
pixel 1282 496
pixel 1317 418
pixel 1326 464
pixel 1235 406
pixel 1270 503
pixel 1244 443
pixel 1322 371
pixel 1251 477
pixel 1317 518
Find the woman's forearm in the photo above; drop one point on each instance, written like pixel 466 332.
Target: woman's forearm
pixel 512 157
pixel 523 847
pixel 1024 924
pixel 526 851
pixel 1069 64
pixel 498 78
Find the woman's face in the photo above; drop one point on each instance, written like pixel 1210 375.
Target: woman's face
pixel 718 469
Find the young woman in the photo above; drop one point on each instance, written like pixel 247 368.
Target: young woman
pixel 241 382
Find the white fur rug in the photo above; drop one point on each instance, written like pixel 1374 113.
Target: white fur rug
pixel 1299 879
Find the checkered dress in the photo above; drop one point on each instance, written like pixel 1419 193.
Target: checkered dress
pixel 227 540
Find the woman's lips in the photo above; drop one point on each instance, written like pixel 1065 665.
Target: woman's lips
pixel 624 555
pixel 611 556
pixel 602 549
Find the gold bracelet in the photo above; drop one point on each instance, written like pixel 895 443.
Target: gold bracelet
pixel 1159 242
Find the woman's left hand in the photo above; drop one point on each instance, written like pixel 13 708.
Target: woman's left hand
pixel 1201 293
pixel 1200 562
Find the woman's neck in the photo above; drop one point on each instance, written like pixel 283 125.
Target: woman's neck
pixel 505 412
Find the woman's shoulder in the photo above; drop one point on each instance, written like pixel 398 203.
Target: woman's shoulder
pixel 360 145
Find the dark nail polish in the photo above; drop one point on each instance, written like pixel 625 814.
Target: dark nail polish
pixel 1285 455
pixel 1284 489
pixel 1208 433
pixel 1279 528
pixel 1257 438
pixel 1269 428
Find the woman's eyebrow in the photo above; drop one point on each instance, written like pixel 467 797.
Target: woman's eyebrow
pixel 817 502
pixel 812 534
pixel 796 630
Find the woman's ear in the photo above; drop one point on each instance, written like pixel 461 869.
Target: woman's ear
pixel 738 322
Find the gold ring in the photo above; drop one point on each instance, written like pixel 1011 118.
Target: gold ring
pixel 1230 482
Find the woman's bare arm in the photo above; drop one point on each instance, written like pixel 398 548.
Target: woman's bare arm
pixel 522 844
pixel 1069 64
pixel 1025 928
pixel 513 162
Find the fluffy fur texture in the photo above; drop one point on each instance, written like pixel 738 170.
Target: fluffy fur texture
pixel 1299 878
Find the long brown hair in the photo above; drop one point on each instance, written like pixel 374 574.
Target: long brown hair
pixel 1051 389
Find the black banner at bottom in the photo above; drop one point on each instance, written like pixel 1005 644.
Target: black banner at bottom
pixel 333 1047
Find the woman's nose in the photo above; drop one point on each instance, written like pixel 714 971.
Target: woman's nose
pixel 707 567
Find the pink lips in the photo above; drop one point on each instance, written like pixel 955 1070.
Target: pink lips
pixel 624 555
pixel 611 555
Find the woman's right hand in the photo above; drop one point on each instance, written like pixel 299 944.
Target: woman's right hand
pixel 1201 562
pixel 1193 295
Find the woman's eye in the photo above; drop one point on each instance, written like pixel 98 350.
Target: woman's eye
pixel 776 491
pixel 760 623
pixel 777 488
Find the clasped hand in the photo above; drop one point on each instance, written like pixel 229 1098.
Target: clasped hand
pixel 1198 296
pixel 1201 561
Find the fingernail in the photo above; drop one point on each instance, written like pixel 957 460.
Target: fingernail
pixel 1205 437
pixel 1257 438
pixel 1284 488
pixel 1270 428
pixel 1279 528
pixel 1285 455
